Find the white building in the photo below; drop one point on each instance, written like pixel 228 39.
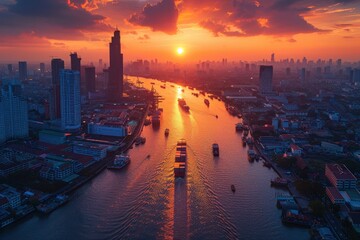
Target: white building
pixel 108 129
pixel 97 151
pixel 14 112
pixel 70 103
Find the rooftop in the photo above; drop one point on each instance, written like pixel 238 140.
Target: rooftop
pixel 341 171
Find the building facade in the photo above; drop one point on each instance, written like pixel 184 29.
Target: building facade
pixel 116 78
pixel 266 76
pixel 70 104
pixel 340 176
pixel 14 120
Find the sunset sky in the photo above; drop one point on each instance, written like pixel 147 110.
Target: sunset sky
pixel 36 30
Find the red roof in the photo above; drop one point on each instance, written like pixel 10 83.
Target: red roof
pixel 341 171
pixel 334 193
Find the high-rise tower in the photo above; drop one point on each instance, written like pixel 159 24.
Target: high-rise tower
pixel 75 62
pixel 266 75
pixel 56 66
pixel 23 71
pixel 115 86
pixel 70 99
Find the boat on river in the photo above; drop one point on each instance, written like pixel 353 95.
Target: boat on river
pixel 180 159
pixel 233 188
pixel 215 150
pixel 182 104
pixel 207 102
pixel 167 132
pixel 120 161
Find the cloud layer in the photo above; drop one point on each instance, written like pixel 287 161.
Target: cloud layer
pixel 162 16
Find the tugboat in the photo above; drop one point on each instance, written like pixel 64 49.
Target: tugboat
pixel 251 155
pixel 206 101
pixel 120 161
pixel 233 188
pixel 215 149
pixel 182 104
pixel 239 127
pixel 167 132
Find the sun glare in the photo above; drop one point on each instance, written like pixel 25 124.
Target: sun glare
pixel 180 51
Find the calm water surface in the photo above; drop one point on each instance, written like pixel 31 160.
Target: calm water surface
pixel 144 201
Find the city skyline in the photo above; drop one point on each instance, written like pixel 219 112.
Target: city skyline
pixel 248 30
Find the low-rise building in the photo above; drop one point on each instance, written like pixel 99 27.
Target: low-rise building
pixel 340 176
pixel 11 194
pixel 331 147
pixel 97 151
pixel 334 195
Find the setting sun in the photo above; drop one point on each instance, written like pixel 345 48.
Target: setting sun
pixel 180 51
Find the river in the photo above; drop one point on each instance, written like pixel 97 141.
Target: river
pixel 144 201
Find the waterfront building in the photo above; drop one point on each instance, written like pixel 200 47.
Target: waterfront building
pixel 56 66
pixel 14 109
pixel 115 84
pixel 96 151
pixel 70 100
pixel 52 137
pixel 266 76
pixel 113 129
pixel 340 176
pixel 11 194
pixel 23 71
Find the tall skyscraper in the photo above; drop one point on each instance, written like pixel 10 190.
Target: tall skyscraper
pixel 90 79
pixel 115 87
pixel 23 71
pixel 14 112
pixel 70 99
pixel 10 70
pixel 266 75
pixel 75 62
pixel 56 66
pixel 42 68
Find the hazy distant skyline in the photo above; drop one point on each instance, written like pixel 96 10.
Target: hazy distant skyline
pixel 209 29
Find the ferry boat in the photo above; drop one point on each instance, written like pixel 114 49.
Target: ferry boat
pixel 180 159
pixel 167 132
pixel 251 154
pixel 206 101
pixel 52 204
pixel 140 140
pixel 215 150
pixel 120 161
pixel 163 86
pixel 239 127
pixel 279 182
pixel 182 104
pixel 267 164
pixel 294 217
pixel 155 119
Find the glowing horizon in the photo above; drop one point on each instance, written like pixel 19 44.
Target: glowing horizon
pixel 209 30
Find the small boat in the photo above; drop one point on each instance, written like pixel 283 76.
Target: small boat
pixel 215 150
pixel 216 116
pixel 148 156
pixel 206 101
pixel 167 132
pixel 239 115
pixel 279 182
pixel 239 127
pixel 162 86
pixel 251 155
pixel 120 161
pixel 267 164
pixel 233 188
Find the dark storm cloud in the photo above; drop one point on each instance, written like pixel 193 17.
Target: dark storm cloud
pixel 45 18
pixel 251 17
pixel 161 16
